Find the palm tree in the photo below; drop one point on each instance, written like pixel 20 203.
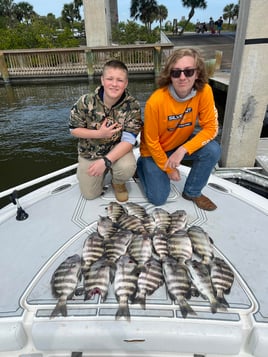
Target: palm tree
pixel 143 10
pixel 24 12
pixel 230 12
pixel 7 11
pixel 193 4
pixel 70 13
pixel 162 14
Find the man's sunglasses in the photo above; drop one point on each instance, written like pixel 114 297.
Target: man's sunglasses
pixel 176 73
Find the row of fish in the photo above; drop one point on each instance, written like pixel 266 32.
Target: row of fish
pixel 139 252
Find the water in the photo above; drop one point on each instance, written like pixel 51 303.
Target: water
pixel 34 134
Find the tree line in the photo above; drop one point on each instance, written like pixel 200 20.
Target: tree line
pixel 21 27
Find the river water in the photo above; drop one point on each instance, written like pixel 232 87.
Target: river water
pixel 34 133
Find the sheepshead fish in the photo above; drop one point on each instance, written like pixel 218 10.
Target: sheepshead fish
pixel 178 221
pixel 64 282
pixel 178 284
pixel 117 246
pixel 106 227
pixel 202 244
pixel 160 244
pixel 97 279
pixel 140 249
pixel 132 223
pixel 201 279
pixel 114 211
pixel 222 278
pixel 134 209
pixel 162 219
pixel 149 280
pixel 93 249
pixel 125 285
pixel 180 246
pixel 149 224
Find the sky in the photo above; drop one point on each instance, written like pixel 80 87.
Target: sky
pixel 175 9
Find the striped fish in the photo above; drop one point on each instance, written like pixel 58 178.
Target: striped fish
pixel 106 227
pixel 162 219
pixel 180 246
pixel 160 244
pixel 202 244
pixel 149 224
pixel 64 282
pixel 93 249
pixel 222 278
pixel 135 209
pixel 114 211
pixel 149 280
pixel 178 284
pixel 140 249
pixel 125 285
pixel 178 221
pixel 117 246
pixel 201 279
pixel 132 223
pixel 97 279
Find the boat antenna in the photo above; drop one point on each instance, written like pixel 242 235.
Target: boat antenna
pixel 21 214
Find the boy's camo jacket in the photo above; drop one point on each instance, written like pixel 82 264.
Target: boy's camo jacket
pixel 90 112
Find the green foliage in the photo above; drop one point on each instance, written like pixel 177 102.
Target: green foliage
pixel 21 27
pixel 131 32
pixel 37 35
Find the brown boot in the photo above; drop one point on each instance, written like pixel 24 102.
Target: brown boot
pixel 202 202
pixel 120 191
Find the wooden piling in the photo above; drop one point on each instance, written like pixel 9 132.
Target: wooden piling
pixel 3 68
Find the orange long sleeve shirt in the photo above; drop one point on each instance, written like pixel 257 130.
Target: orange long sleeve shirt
pixel 168 123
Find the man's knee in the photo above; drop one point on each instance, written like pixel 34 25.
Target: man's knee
pixel 157 199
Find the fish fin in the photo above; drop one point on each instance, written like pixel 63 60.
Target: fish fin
pixel 112 275
pixel 140 299
pixel 104 297
pixel 60 309
pixel 211 240
pixel 227 291
pixel 223 302
pixel 111 264
pixel 123 311
pixel 215 305
pixel 79 291
pixel 186 309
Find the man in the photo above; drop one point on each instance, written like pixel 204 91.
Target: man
pixel 168 136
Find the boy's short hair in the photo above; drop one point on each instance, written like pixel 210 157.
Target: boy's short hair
pixel 116 64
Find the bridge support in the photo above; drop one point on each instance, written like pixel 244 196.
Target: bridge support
pixel 99 17
pixel 247 94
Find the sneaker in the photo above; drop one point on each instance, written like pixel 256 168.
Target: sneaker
pixel 120 191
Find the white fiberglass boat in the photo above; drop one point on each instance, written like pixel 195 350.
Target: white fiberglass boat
pixel 57 222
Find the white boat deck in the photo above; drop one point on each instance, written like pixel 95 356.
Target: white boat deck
pixel 59 221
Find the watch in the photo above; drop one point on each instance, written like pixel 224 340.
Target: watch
pixel 108 163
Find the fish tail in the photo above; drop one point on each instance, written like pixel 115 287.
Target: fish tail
pixel 140 299
pixel 223 302
pixel 88 295
pixel 60 309
pixel 215 305
pixel 123 311
pixel 186 309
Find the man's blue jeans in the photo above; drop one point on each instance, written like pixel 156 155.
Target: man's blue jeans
pixel 156 183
